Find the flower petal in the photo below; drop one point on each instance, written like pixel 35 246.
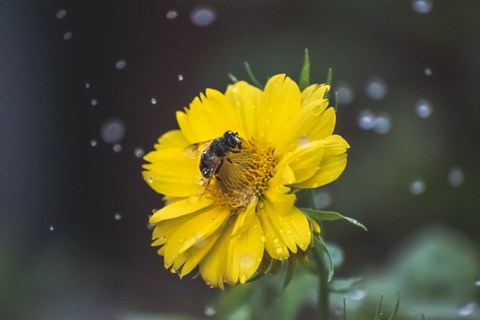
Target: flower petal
pixel 180 208
pixel 172 139
pixel 305 160
pixel 244 253
pixel 163 231
pixel 245 217
pixel 330 169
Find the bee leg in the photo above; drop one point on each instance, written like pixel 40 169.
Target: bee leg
pixel 229 160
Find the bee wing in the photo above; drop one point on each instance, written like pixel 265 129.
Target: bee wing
pixel 194 150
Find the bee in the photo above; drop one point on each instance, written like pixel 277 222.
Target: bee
pixel 215 152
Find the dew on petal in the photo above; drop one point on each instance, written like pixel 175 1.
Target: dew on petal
pixel 422 6
pixel 376 89
pixel 172 14
pixel 456 177
pixel 246 261
pixel 345 94
pixel 93 102
pixel 61 14
pixel 112 131
pixel 117 148
pixel 467 309
pixel 67 35
pixel 93 143
pixel 209 310
pixel 423 108
pixel 382 124
pixel 138 152
pixel 303 141
pixel 427 71
pixel 117 216
pixel 203 16
pixel 417 186
pixel 279 250
pixel 120 64
pixel 366 120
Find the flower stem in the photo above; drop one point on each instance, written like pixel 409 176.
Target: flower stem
pixel 323 294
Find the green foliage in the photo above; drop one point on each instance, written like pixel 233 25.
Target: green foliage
pixel 252 77
pixel 330 216
pixel 304 80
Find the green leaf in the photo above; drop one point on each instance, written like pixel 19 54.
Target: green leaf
pixel 344 309
pixel 344 285
pixel 134 316
pixel 329 82
pixel 232 78
pixel 252 76
pixel 330 216
pixel 289 274
pixel 322 251
pixel 379 314
pixel 304 80
pixel 395 311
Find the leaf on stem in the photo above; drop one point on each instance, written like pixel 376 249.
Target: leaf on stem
pixel 330 216
pixel 304 80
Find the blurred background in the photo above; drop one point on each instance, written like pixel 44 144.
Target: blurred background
pixel 86 88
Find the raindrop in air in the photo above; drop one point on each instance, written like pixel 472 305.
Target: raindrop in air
pixel 417 187
pixel 382 124
pixel 376 89
pixel 467 309
pixel 358 294
pixel 138 152
pixel 117 147
pixel 87 85
pixel 203 16
pixel 423 108
pixel 117 216
pixel 51 228
pixel 67 35
pixel 172 14
pixel 153 101
pixel 180 77
pixel 112 131
pixel 477 282
pixel 428 72
pixel 322 199
pixel 93 102
pixel 456 177
pixel 209 310
pixel 93 143
pixel 120 64
pixel 422 6
pixel 344 94
pixel 61 14
pixel 366 120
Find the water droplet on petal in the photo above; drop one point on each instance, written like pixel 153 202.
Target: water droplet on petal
pixel 112 131
pixel 246 261
pixel 366 120
pixel 209 310
pixel 345 94
pixel 203 16
pixel 428 72
pixel 120 64
pixel 456 177
pixel 279 250
pixel 117 216
pixel 51 228
pixel 262 238
pixel 180 77
pixel 172 14
pixel 138 152
pixel 153 101
pixel 276 240
pixel 67 35
pixel 117 148
pixel 376 89
pixel 467 309
pixel 357 294
pixel 423 108
pixel 93 143
pixel 382 124
pixel 422 6
pixel 61 14
pixel 417 186
pixel 303 141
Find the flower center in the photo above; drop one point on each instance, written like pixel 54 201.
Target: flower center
pixel 243 175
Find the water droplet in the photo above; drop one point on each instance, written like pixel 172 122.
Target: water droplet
pixel 67 35
pixel 376 89
pixel 117 216
pixel 261 204
pixel 366 120
pixel 345 94
pixel 276 240
pixel 112 131
pixel 255 226
pixel 246 261
pixel 120 64
pixel 87 85
pixel 422 6
pixel 477 282
pixel 93 102
pixel 456 177
pixel 209 310
pixel 322 199
pixel 154 210
pixel 153 101
pixel 357 294
pixel 427 71
pixel 180 77
pixel 172 14
pixel 61 14
pixel 150 226
pixel 262 238
pixel 303 141
pixel 181 240
pixel 93 143
pixel 243 278
pixel 279 250
pixel 423 108
pixel 467 309
pixel 417 186
pixel 138 152
pixel 203 16
pixel 117 148
pixel 382 124
pixel 51 228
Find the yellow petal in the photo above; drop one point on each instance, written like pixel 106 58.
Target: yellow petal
pixel 280 102
pixel 194 232
pixel 172 173
pixel 284 175
pixel 163 231
pixel 172 139
pixel 305 160
pixel 330 169
pixel 245 99
pixel 208 117
pixel 244 218
pixel 314 94
pixel 244 253
pixel 180 208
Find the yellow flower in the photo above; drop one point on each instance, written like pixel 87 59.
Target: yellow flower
pixel 246 213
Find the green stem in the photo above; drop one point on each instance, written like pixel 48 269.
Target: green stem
pixel 323 295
